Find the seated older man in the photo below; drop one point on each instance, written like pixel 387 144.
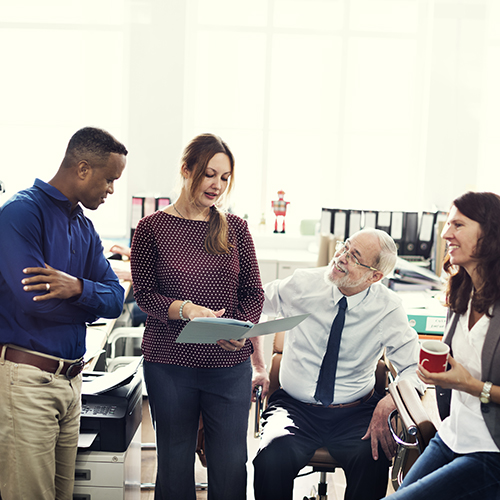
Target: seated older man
pixel 327 373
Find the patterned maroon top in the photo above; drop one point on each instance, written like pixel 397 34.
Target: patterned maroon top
pixel 168 263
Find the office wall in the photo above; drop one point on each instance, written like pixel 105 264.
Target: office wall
pixel 383 104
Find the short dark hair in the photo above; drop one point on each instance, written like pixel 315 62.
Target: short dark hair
pixel 92 143
pixel 483 208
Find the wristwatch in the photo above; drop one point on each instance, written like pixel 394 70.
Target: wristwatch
pixel 485 393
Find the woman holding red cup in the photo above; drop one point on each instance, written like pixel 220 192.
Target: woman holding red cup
pixel 463 459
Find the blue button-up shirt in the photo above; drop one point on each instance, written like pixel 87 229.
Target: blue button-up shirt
pixel 37 227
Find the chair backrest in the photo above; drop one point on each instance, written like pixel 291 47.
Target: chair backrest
pixel 119 336
pixel 274 370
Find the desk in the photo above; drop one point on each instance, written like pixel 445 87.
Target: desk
pixel 97 335
pixel 425 311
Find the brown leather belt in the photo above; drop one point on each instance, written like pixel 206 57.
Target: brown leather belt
pixel 70 369
pixel 347 405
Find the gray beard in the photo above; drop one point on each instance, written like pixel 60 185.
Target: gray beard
pixel 345 281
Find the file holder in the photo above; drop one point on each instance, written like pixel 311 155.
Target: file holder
pixel 397 229
pixel 384 220
pixel 369 219
pixel 355 221
pixel 425 234
pixel 410 234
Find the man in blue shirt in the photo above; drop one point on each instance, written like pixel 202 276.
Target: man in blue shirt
pixel 54 279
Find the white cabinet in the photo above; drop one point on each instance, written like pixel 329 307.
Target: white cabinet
pixel 286 269
pixel 282 265
pixel 268 270
pixel 106 475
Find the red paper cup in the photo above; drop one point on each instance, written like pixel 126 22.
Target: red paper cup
pixel 434 355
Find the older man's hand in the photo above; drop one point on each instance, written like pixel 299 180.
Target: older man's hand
pixel 378 430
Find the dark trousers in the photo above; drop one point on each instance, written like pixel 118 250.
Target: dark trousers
pixel 293 431
pixel 177 395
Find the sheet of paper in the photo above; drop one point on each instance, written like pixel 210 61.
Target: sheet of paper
pixel 85 439
pixel 110 380
pixel 208 332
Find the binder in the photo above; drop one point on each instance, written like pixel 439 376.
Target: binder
pixel 384 221
pixel 438 251
pixel 149 205
pixel 325 225
pixel 162 202
pixel 354 221
pixel 370 219
pixel 424 323
pixel 340 223
pixel 425 234
pixel 145 205
pixel 397 229
pixel 410 235
pixel 137 213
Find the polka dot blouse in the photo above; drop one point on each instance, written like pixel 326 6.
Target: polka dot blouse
pixel 169 262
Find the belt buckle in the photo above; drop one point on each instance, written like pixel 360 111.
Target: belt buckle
pixel 75 367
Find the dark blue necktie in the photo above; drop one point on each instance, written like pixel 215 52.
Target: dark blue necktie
pixel 326 379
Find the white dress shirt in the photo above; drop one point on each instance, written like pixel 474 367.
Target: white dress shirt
pixel 375 319
pixel 465 431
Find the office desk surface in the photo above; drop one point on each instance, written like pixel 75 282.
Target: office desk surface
pixel 426 312
pixel 97 335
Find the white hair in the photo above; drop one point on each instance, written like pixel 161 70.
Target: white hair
pixel 388 255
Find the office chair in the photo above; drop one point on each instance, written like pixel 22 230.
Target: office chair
pixel 411 428
pixel 122 345
pixel 321 461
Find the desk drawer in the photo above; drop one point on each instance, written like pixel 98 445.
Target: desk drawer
pixel 97 493
pixel 99 474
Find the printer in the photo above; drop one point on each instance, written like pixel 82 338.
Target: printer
pixel 113 416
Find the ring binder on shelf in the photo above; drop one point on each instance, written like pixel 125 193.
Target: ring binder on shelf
pixel 410 233
pixel 137 213
pixel 384 221
pixel 162 202
pixel 413 232
pixel 354 221
pixel 145 205
pixel 340 223
pixel 425 234
pixel 325 225
pixel 397 229
pixel 370 219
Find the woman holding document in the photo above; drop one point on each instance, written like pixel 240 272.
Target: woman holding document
pixel 192 260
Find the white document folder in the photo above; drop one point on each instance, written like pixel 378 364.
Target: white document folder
pixel 210 330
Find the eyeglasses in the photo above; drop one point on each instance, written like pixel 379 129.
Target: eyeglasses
pixel 341 248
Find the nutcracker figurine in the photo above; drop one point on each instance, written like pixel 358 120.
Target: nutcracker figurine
pixel 279 208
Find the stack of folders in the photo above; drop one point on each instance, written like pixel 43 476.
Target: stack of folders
pixel 411 276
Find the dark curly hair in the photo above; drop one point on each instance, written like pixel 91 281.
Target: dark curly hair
pixel 483 208
pixel 93 145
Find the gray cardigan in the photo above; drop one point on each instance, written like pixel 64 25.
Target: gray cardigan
pixel 490 371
